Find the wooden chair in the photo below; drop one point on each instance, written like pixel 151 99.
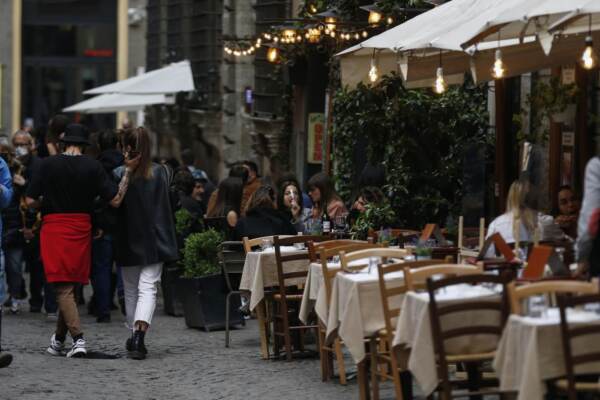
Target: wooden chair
pixel 325 252
pixel 401 378
pixel 382 252
pixel 547 288
pixel 437 311
pixel 329 244
pixel 250 244
pixel 570 383
pixel 470 239
pixel 285 320
pixel 415 278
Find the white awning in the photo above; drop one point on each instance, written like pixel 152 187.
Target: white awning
pixel 173 78
pixel 464 32
pixel 115 102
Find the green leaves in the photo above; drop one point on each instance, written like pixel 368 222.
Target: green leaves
pixel 420 138
pixel 375 216
pixel 201 253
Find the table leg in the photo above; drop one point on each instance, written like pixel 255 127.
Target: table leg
pixel 363 382
pixel 262 328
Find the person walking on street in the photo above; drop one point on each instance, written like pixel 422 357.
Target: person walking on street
pixel 145 236
pixel 6 192
pixel 65 188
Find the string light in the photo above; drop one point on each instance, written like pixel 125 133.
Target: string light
pixel 374 17
pixel 365 34
pixel 498 70
pixel 390 20
pixel 272 54
pixel 330 22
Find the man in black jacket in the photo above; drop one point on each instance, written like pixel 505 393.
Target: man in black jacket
pixel 105 219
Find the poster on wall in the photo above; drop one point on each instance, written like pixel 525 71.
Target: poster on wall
pixel 316 128
pixel 566 162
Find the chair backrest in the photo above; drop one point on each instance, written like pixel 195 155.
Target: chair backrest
pixel 249 244
pixel 314 250
pixel 326 253
pixel 437 311
pixel 282 259
pixel 569 333
pixel 416 278
pixel 383 252
pixel 469 236
pixel 233 257
pixel 387 292
pixel 550 287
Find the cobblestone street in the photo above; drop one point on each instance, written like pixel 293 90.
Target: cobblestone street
pixel 183 364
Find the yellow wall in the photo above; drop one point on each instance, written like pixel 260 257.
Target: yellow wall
pixel 16 65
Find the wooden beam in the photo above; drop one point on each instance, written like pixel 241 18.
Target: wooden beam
pixel 583 150
pixel 500 168
pixel 554 159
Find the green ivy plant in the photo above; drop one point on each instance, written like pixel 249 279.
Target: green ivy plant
pixel 374 217
pixel 546 99
pixel 421 138
pixel 201 253
pixel 184 220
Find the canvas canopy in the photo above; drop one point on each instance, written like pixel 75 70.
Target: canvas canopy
pixel 116 102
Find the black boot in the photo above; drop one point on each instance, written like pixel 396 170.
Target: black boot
pixel 138 348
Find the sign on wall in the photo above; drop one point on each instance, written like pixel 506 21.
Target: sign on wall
pixel 316 130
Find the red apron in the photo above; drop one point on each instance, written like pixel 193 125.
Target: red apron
pixel 66 247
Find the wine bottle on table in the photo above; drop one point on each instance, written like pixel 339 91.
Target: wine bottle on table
pixel 326 223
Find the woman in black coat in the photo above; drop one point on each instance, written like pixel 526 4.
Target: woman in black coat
pixel 262 218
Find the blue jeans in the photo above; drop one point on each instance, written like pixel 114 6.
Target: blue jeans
pixel 102 262
pixel 13 258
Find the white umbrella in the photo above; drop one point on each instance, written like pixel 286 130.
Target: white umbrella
pixel 173 78
pixel 115 102
pixel 574 22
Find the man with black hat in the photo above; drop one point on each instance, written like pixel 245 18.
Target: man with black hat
pixel 67 185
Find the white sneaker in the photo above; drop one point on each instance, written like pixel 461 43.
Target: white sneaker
pixel 56 348
pixel 78 349
pixel 14 306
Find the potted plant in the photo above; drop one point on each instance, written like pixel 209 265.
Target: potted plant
pixel 423 253
pixel 185 224
pixel 376 216
pixel 204 289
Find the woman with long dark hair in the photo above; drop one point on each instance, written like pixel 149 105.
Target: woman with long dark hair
pixel 290 201
pixel 262 217
pixel 145 235
pixel 324 197
pixel 229 201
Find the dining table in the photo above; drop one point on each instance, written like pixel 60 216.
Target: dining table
pixel 413 330
pixel 530 351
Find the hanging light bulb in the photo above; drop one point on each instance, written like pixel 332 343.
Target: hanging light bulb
pixel 588 59
pixel 390 20
pixel 440 84
pixel 373 71
pixel 312 8
pixel 365 34
pixel 374 17
pixel 498 70
pixel 272 54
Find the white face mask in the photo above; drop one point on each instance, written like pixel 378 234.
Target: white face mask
pixel 21 151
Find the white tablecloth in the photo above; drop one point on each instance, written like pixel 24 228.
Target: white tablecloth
pixel 260 271
pixel 356 310
pixel 413 330
pixel 530 352
pixel 315 296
